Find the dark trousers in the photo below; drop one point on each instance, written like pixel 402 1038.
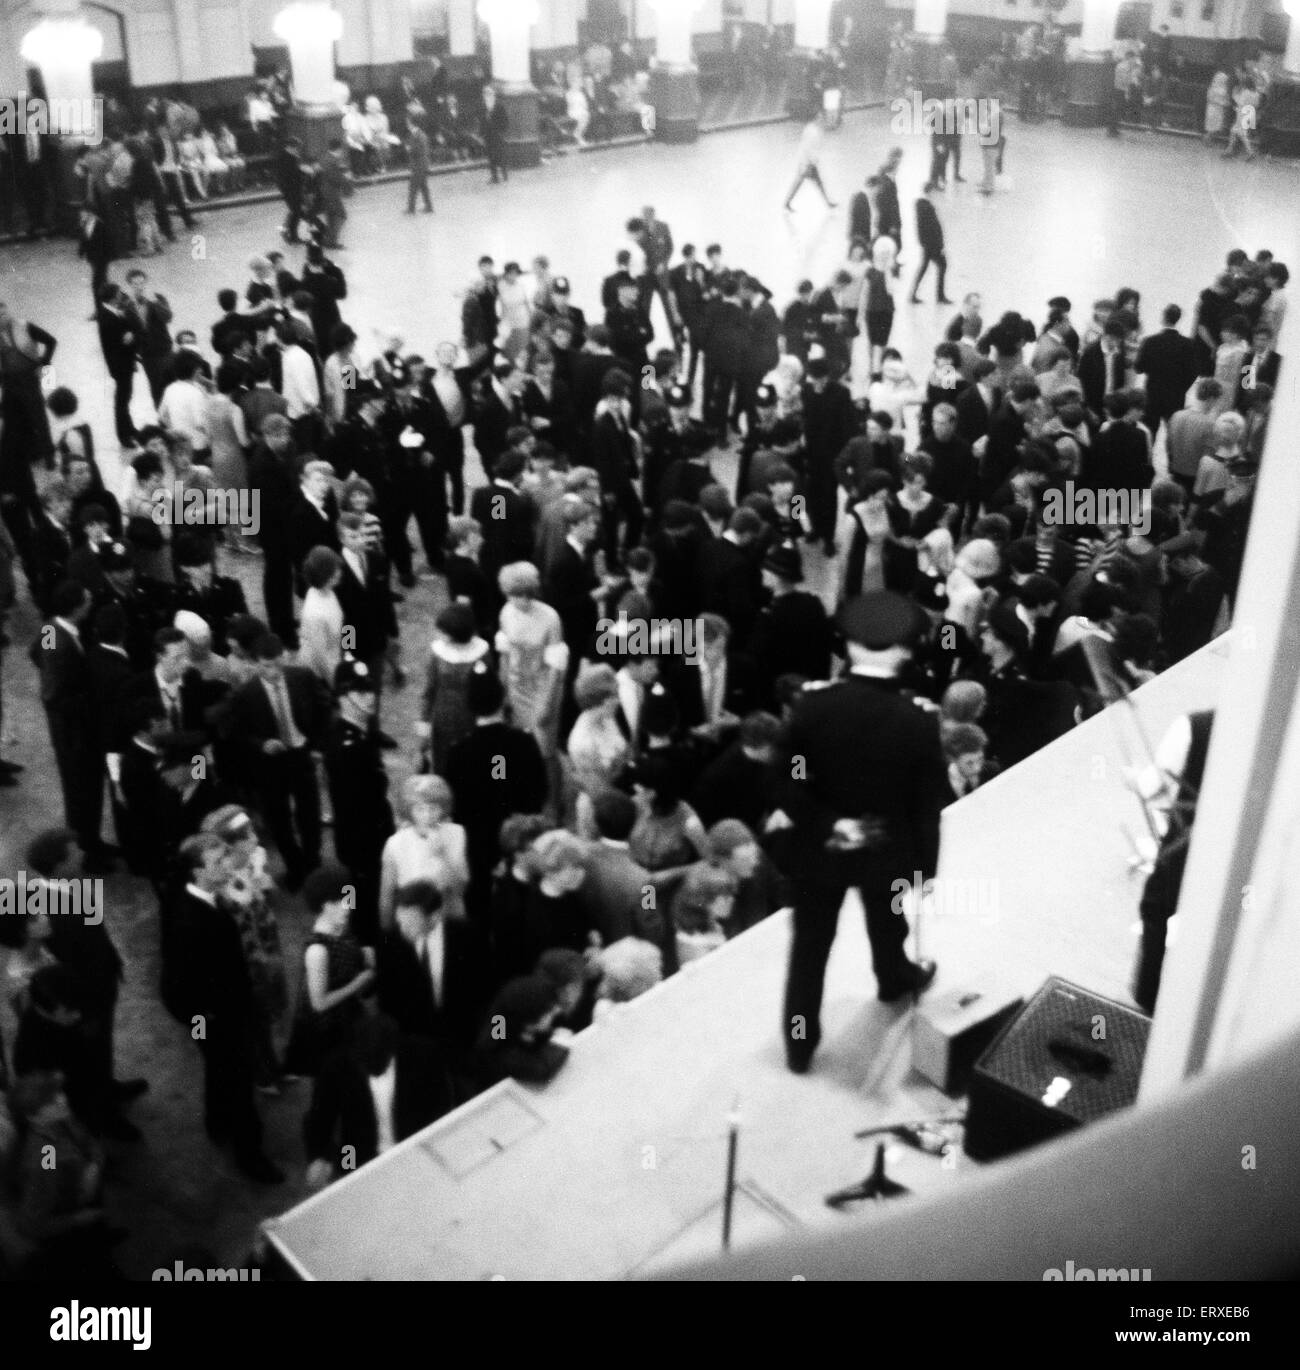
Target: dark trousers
pixel 174 183
pixel 823 496
pixel 154 370
pixel 431 513
pixel 81 774
pixel 816 918
pixel 229 1110
pixel 622 510
pixel 292 218
pixel 418 186
pixel 26 421
pixel 1151 960
pixel 808 174
pixel 395 517
pixel 496 157
pixel 123 386
pixel 940 260
pixel 451 465
pixel 291 806
pixel 718 387
pixel 333 223
pixel 277 595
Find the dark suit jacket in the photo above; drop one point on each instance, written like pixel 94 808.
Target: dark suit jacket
pixel 197 699
pixel 342 1110
pixel 1168 361
pixel 854 749
pixel 204 970
pixel 245 715
pixel 368 607
pixel 111 676
pixel 65 674
pixel 1092 375
pixel 494 771
pixel 614 895
pixel 492 421
pixel 307 529
pixel 973 415
pixel 277 484
pixel 613 454
pixel 860 217
pixel 1116 460
pixel 731 585
pixel 506 517
pixel 567 589
pixel 929 231
pixel 735 786
pixel 406 990
pixel 589 371
pixel 119 355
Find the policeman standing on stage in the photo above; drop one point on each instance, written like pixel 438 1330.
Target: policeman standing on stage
pixel 358 785
pixel 862 780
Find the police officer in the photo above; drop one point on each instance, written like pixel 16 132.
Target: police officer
pixel 862 778
pixel 680 439
pixel 358 786
pixel 770 432
pixel 215 598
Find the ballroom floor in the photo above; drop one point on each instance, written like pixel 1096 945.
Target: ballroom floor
pixel 1079 214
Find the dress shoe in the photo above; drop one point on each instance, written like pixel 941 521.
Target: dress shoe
pixel 922 976
pixel 387 741
pixel 125 1090
pixel 259 1169
pixel 10 782
pixel 943 299
pixel 798 1063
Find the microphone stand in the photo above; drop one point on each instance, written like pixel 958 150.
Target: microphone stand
pixel 729 1190
pixel 877 1185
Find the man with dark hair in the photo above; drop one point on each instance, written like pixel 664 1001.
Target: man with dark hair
pixel 60 653
pixel 493 771
pixel 929 235
pixel 496 125
pixel 358 788
pixel 686 282
pixel 724 338
pixel 619 893
pixel 417 166
pixel 333 183
pixel 289 181
pixel 1103 366
pixel 828 424
pixel 740 783
pixel 1168 361
pixel 1000 450
pixel 120 343
pixel 153 314
pixel 277 719
pixel 206 986
pixel 614 456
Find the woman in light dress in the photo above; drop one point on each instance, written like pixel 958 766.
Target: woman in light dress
pixel 428 846
pixel 515 304
pixel 320 633
pixel 598 749
pixel 534 658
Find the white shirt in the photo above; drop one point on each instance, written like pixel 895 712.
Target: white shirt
pixel 383 1090
pixel 630 698
pixel 713 687
pixel 171 697
pixel 184 409
pixel 452 397
pixel 298 382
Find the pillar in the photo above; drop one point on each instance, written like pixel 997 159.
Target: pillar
pixel 1092 72
pixel 509 22
pixel 674 79
pixel 935 66
pixel 1291 60
pixel 310 28
pixel 812 36
pixel 63 47
pixel 462 29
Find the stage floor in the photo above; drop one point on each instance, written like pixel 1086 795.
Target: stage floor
pixel 616 1167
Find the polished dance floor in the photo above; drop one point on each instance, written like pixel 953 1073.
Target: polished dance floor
pixel 1080 214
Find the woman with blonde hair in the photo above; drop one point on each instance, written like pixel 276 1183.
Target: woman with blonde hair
pixel 700 910
pixel 628 968
pixel 970 589
pixel 246 894
pixel 533 655
pixel 1226 440
pixel 935 562
pixel 428 846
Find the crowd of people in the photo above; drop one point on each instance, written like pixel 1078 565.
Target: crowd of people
pixel 639 730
